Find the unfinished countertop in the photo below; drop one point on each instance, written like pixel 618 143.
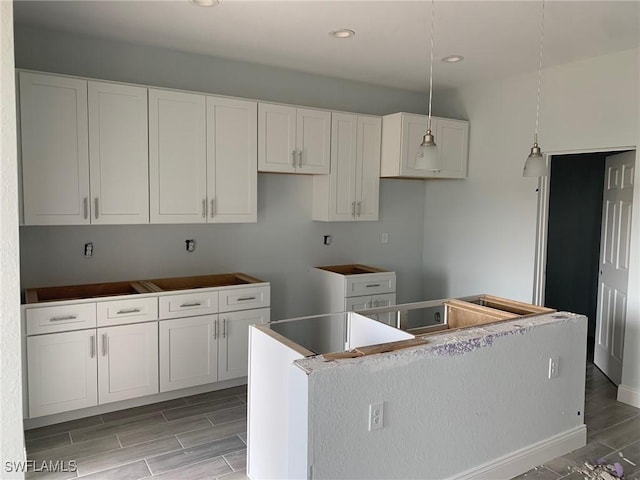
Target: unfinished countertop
pixel 136 287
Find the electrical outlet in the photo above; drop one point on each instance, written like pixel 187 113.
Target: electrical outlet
pixel 327 240
pixel 88 249
pixel 385 237
pixel 376 416
pixel 554 364
pixel 190 245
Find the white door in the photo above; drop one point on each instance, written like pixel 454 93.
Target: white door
pixel 452 138
pixel 177 157
pixel 342 201
pixel 232 170
pixel 118 153
pixel 62 372
pixel 188 352
pixel 313 141
pixel 276 138
pixel 413 129
pixel 127 361
pixel 614 264
pixel 368 168
pixel 233 350
pixel 54 153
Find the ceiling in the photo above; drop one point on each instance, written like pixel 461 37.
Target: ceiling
pixel 391 46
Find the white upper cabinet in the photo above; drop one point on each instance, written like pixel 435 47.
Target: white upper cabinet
pixel 54 153
pixel 232 173
pixel 351 191
pixel 118 153
pixel 293 140
pixel 402 135
pixel 177 157
pixel 84 151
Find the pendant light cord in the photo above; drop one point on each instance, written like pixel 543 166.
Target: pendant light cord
pixel 431 63
pixel 535 138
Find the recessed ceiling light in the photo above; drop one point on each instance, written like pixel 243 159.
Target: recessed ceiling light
pixel 342 33
pixel 205 3
pixel 453 59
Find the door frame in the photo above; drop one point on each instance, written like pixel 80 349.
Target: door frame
pixel 542 221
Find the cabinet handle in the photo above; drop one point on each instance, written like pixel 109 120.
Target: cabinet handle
pixel 244 299
pixel 191 304
pixel 92 341
pixel 105 348
pixel 96 214
pixel 85 203
pixel 293 158
pixel 373 285
pixel 353 209
pixel 224 328
pixel 359 204
pixel 129 310
pixel 61 319
pixel 204 208
pixel 300 158
pixel 215 329
pixel 212 208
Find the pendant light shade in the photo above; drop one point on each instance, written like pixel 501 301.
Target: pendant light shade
pixel 536 164
pixel 427 156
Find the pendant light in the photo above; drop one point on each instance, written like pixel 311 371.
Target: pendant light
pixel 427 156
pixel 536 165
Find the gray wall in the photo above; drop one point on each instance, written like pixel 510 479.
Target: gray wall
pixel 284 244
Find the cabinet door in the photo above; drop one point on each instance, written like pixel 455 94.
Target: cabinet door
pixel 232 170
pixel 127 361
pixel 313 141
pixel 354 304
pixel 118 153
pixel 233 354
pixel 62 372
pixel 367 186
pixel 276 138
pixel 413 129
pixel 177 157
pixel 54 154
pixel 188 352
pixel 342 178
pixel 452 138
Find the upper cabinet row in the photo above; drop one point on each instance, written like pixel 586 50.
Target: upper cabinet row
pixel 89 155
pixel 96 152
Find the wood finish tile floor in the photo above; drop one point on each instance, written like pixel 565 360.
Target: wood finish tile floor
pixel 197 437
pixel 204 437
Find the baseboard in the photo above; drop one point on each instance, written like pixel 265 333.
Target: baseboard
pixel 629 395
pixel 524 459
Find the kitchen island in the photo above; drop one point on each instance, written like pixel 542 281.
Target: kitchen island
pixel 475 402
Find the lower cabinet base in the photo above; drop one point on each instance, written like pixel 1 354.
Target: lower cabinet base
pixel 30 423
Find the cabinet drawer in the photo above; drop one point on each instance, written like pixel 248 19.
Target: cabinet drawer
pixel 60 318
pixel 188 304
pixel 244 298
pixel 370 284
pixel 134 310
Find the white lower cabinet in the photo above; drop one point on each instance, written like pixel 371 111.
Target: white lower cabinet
pixel 353 304
pixel 62 370
pixel 233 343
pixel 206 349
pixel 127 361
pixel 188 352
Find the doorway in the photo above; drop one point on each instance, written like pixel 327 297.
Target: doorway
pixel 571 273
pixel 576 183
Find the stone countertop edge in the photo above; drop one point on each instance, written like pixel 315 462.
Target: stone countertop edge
pixel 454 343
